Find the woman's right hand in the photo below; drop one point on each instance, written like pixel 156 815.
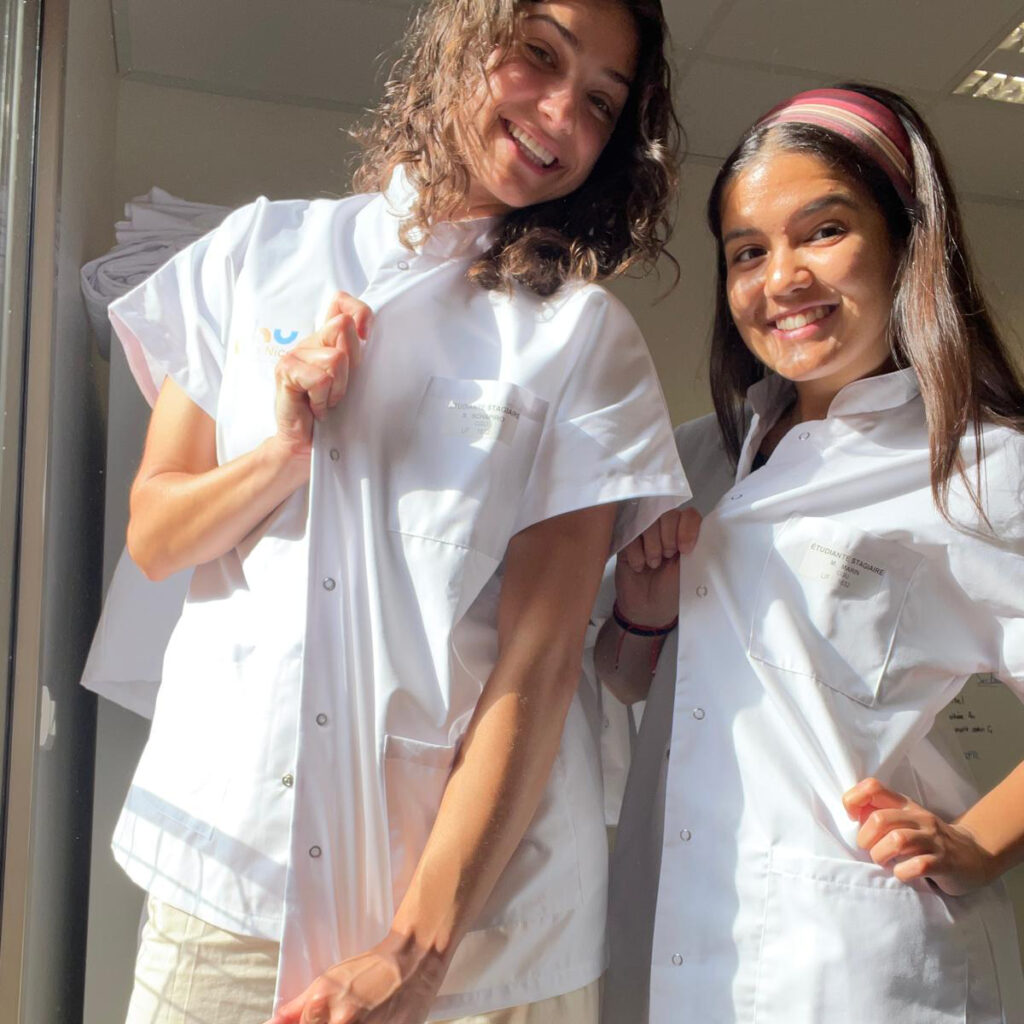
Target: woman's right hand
pixel 313 377
pixel 186 506
pixel 647 569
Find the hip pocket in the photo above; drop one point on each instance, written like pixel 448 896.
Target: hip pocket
pixel 846 943
pixel 415 775
pixel 461 471
pixel 828 604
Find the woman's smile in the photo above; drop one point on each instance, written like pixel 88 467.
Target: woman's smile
pixel 535 154
pixel 803 324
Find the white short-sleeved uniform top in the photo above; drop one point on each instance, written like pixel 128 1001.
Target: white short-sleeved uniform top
pixel 827 615
pixel 322 673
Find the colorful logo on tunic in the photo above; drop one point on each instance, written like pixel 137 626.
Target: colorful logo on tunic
pixel 279 337
pixel 271 342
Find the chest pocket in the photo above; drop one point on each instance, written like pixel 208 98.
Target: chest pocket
pixel 828 605
pixel 459 473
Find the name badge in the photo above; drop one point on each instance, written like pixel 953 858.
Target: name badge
pixel 479 419
pixel 478 410
pixel 845 572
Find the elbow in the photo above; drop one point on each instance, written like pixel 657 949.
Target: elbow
pixel 145 555
pixel 146 536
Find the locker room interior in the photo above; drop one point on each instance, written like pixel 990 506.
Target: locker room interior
pixel 219 101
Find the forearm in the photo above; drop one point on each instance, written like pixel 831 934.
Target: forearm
pixel 490 798
pixel 647 602
pixel 180 519
pixel 495 788
pixel 552 571
pixel 996 822
pixel 624 662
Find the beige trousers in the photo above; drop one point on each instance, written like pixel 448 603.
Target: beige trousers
pixel 189 972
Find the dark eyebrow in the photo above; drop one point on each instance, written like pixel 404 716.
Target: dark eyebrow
pixel 832 199
pixel 570 37
pixel 574 41
pixel 814 206
pixel 731 236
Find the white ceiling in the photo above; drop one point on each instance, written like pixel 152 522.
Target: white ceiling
pixel 734 59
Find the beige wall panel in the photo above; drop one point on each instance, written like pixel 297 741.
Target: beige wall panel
pixel 224 149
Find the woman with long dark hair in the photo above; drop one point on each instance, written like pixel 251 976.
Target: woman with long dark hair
pixel 370 786
pixel 820 857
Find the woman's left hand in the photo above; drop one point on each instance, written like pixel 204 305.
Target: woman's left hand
pixel 390 984
pixel 918 843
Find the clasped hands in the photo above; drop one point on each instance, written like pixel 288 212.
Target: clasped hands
pixel 314 376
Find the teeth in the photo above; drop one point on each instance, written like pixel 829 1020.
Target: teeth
pixel 544 157
pixel 809 316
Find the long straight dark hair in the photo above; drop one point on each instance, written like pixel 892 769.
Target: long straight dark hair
pixel 939 325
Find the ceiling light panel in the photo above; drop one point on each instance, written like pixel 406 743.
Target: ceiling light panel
pixel 1001 74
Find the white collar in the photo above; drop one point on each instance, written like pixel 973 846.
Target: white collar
pixel 769 396
pixel 447 240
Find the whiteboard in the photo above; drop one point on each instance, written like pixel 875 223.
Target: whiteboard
pixel 987 723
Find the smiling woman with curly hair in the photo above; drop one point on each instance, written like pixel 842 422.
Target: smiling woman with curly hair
pixel 617 219
pixel 390 808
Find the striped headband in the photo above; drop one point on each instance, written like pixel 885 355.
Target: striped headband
pixel 871 126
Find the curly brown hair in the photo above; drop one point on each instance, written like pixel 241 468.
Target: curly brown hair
pixel 619 218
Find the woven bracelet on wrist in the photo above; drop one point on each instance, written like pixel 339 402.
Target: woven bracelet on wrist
pixel 656 634
pixel 637 630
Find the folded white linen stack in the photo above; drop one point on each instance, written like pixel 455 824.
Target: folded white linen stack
pixel 156 226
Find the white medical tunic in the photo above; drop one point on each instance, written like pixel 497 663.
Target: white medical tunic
pixel 827 615
pixel 323 673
